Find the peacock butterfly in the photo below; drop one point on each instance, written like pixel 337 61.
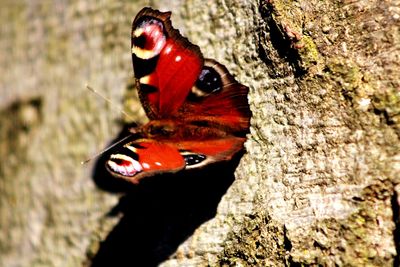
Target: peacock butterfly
pixel 198 112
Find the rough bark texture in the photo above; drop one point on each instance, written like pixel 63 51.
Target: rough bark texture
pixel 318 185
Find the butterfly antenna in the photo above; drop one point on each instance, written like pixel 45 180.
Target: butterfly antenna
pixel 106 149
pixel 109 101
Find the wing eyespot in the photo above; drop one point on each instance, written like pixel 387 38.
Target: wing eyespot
pixel 148 38
pixel 209 82
pixel 123 165
pixel 192 159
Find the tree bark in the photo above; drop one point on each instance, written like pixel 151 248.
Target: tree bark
pixel 318 184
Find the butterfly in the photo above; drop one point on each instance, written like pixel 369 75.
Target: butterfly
pixel 198 113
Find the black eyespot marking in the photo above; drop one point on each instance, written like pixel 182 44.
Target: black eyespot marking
pixel 139 41
pixel 209 80
pixel 192 159
pixel 118 161
pixel 126 151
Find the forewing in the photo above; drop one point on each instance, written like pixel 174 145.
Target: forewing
pixel 166 64
pixel 143 158
pixel 146 157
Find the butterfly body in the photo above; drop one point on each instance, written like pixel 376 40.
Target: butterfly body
pixel 198 112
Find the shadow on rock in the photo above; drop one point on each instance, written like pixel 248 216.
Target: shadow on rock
pixel 160 212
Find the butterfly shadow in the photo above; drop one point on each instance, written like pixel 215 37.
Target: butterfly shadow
pixel 159 213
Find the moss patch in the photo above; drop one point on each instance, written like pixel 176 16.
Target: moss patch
pixel 256 243
pixel 355 241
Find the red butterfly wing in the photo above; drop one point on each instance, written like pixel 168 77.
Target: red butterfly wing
pixel 198 112
pixel 143 158
pixel 165 63
pixel 217 100
pixel 146 157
